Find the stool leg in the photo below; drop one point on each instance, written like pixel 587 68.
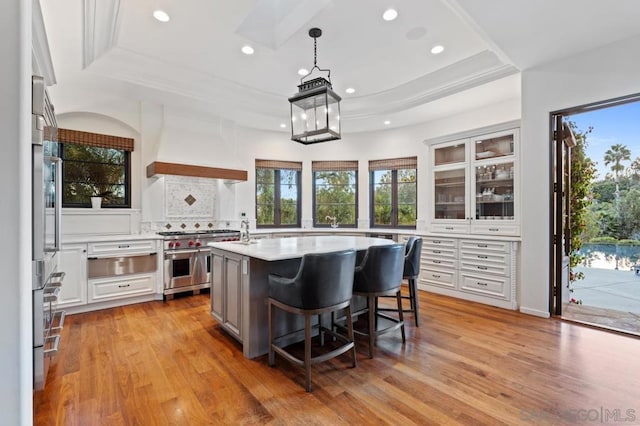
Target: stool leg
pixel 320 331
pixel 401 314
pixel 372 323
pixel 414 285
pixel 307 352
pixel 270 321
pixel 350 335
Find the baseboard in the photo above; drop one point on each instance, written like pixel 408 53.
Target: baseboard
pixel 534 312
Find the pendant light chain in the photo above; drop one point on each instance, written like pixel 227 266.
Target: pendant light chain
pixel 315 53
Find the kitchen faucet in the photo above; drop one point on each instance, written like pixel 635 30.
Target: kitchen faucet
pixel 244 231
pixel 333 219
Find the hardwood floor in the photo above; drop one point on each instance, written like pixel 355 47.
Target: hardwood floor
pixel 169 363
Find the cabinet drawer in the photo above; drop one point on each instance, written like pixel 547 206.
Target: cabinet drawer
pixel 439 243
pixel 121 247
pixel 438 263
pixel 483 246
pixel 455 228
pixel 482 258
pixel 485 268
pixel 495 287
pixel 438 253
pixel 121 287
pixel 496 229
pixel 439 278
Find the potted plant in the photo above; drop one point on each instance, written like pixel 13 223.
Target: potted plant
pixel 96 199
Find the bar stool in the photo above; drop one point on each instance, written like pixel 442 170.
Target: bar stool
pixel 380 274
pixel 323 284
pixel 413 249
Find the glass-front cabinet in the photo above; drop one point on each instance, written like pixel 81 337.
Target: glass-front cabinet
pixel 475 185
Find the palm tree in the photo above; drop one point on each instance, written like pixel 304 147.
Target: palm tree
pixel 615 155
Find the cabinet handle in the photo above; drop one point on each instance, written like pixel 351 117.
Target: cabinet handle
pixel 435 276
pixel 124 246
pixel 482 256
pixel 482 246
pixel 437 242
pixel 483 268
pixel 124 285
pixel 448 228
pixel 437 251
pixel 436 261
pixel 494 229
pixel 481 284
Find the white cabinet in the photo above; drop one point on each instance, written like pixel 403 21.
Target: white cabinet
pixel 226 290
pixel 73 261
pixel 119 279
pixel 103 289
pixel 474 185
pixel 474 269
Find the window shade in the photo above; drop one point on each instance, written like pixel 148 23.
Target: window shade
pixel 95 139
pixel 278 165
pixel 394 164
pixel 337 166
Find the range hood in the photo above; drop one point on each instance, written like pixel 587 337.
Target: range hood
pixel 229 175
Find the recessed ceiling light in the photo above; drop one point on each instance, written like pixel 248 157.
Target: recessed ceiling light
pixel 303 71
pixel 247 50
pixel 283 126
pixel 387 122
pixel 390 14
pixel 350 90
pixel 437 49
pixel 161 15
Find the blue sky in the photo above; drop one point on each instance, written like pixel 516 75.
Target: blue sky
pixel 614 125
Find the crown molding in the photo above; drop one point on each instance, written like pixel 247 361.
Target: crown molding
pixel 41 62
pixel 100 28
pixel 240 102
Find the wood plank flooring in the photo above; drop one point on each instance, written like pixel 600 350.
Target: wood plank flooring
pixel 169 362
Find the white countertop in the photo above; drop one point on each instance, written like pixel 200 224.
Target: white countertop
pixel 71 239
pixel 292 248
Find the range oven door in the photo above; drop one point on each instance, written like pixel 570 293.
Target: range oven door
pixel 184 268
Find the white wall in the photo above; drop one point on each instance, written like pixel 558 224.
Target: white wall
pixel 15 215
pixel 597 75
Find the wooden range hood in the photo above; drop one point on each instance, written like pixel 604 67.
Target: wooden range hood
pixel 231 175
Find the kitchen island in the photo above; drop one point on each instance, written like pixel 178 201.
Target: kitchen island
pixel 240 287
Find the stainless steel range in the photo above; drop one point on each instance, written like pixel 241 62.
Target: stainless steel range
pixel 187 259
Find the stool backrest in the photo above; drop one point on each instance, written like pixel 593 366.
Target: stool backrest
pixel 381 269
pixel 412 257
pixel 326 279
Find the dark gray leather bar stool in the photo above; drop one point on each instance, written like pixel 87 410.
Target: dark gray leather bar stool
pixel 323 284
pixel 413 250
pixel 380 274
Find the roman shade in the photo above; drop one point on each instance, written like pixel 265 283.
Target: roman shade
pixel 95 139
pixel 394 164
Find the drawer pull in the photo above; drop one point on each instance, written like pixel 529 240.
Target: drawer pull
pixel 124 285
pixel 449 228
pixel 435 275
pixel 481 284
pixel 437 261
pixel 482 256
pixel 124 246
pixel 437 251
pixel 437 242
pixel 484 268
pixel 494 229
pixel 482 246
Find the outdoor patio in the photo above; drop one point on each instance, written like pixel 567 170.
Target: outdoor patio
pixel 610 298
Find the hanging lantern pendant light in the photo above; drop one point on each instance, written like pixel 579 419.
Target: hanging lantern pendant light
pixel 315 109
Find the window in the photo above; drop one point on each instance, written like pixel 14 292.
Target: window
pixel 335 192
pixel 95 165
pixel 278 193
pixel 393 192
